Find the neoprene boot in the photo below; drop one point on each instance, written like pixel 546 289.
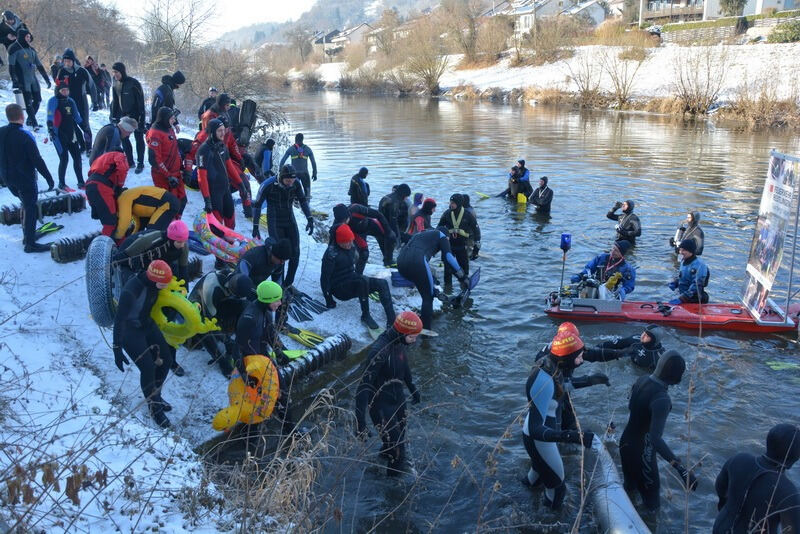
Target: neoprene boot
pixel 558 498
pixel 157 413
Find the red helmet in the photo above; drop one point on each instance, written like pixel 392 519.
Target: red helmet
pixel 408 323
pixel 159 271
pixel 344 234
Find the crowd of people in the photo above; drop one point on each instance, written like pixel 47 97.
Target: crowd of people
pixel 250 297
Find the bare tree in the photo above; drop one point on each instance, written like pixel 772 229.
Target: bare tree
pixel 493 36
pixel 171 27
pixel 586 75
pixel 300 40
pixel 699 76
pixel 622 73
pixel 385 36
pixel 425 58
pixel 460 20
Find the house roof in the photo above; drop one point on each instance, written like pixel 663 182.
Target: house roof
pixel 349 31
pixel 322 37
pixel 577 8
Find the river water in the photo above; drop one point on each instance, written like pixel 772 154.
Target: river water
pixel 472 377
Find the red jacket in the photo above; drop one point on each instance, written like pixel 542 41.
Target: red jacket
pixel 163 152
pixel 230 141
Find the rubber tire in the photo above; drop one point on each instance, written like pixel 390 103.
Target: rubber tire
pixel 100 280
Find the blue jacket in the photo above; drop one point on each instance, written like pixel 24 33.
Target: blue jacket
pixel 65 119
pixel 266 164
pixel 526 176
pixel 692 278
pixel 599 262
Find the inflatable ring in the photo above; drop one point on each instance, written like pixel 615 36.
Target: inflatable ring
pixel 250 405
pixel 228 248
pixel 192 323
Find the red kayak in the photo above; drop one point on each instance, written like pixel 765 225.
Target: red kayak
pixel 712 316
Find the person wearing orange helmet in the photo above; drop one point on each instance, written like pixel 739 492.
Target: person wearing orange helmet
pixel 385 371
pixel 541 431
pixel 136 333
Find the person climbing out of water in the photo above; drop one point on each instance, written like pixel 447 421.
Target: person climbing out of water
pixel 222 295
pixel 359 188
pixel 256 332
pixel 137 334
pixel 541 432
pixel 339 278
pixel 363 221
pixel 693 276
pixel 422 220
pixel 611 270
pixel 649 406
pixel 462 227
pixel 393 207
pixel 300 155
pixel 542 196
pixel 689 230
pixel 628 225
pixel 755 495
pixel 266 261
pixel 412 264
pixel 525 186
pixel 381 393
pixel 566 412
pixel 514 184
pixel 279 194
pixel 644 350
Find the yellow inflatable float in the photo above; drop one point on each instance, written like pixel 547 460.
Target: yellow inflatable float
pixel 191 322
pixel 250 405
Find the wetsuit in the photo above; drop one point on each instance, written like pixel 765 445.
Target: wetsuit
pixel 393 207
pixel 602 267
pixel 422 220
pixel 129 102
pixel 137 251
pixel 381 392
pixel 412 264
pixel 628 225
pixel 692 231
pixel 137 333
pixel 338 278
pixel 108 139
pixel 541 430
pixel 280 216
pixel 462 228
pixel 359 190
pixel 644 355
pixel 164 96
pixel 214 171
pixel 106 182
pixel 65 125
pixel 541 198
pixel 693 277
pixel 257 263
pixel 256 333
pixel 144 206
pixel 366 221
pixel 164 157
pixel 524 180
pixel 205 106
pixel 649 406
pixel 23 62
pixel 300 155
pixel 80 85
pixel 755 495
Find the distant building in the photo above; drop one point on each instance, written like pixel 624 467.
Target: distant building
pixel 350 36
pixel 592 11
pixel 322 42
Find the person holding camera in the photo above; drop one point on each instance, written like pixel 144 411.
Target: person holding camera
pixel 628 225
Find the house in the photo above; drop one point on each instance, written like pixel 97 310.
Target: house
pixel 525 13
pixel 712 9
pixel 671 10
pixel 591 11
pixel 350 36
pixel 321 42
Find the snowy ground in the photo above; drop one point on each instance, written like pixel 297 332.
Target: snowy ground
pixel 63 400
pixel 656 77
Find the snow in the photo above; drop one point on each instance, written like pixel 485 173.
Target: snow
pixel 63 400
pixel 745 63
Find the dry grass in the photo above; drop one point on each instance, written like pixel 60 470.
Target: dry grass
pixel 669 106
pixel 547 96
pixel 465 92
pixel 633 54
pixel 699 75
pixel 366 79
pixel 618 34
pixel 309 80
pixel 355 55
pixel 758 104
pixel 552 40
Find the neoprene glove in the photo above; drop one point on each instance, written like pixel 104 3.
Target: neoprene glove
pixel 617 205
pixel 120 359
pixel 173 182
pixel 314 177
pixel 688 477
pixel 415 398
pixel 475 250
pixel 580 438
pixel 310 226
pixel 208 208
pixel 87 138
pixel 673 285
pixel 462 279
pixel 329 302
pixel 599 378
pixel 256 232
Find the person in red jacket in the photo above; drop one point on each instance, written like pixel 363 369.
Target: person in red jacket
pixel 215 170
pixel 106 181
pixel 163 155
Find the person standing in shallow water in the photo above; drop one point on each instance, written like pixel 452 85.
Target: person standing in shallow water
pixel 628 225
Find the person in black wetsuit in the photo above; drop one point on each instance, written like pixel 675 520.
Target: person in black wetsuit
pixel 412 264
pixel 359 188
pixel 755 495
pixel 139 336
pixel 265 261
pixel 364 221
pixel 381 389
pixel 222 295
pixel 256 332
pixel 279 194
pixel 542 197
pixel 541 430
pixel 690 230
pixel 462 227
pixel 214 170
pixel 393 206
pixel 644 350
pixel 628 225
pixel 338 278
pixel 642 438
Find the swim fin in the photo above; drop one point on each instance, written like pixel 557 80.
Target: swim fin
pixel 304 337
pixel 375 296
pixel 48 228
pixel 292 354
pixel 301 314
pixel 310 304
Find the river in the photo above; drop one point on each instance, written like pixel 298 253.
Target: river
pixel 472 377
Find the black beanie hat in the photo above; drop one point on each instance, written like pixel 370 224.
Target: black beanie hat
pixel 340 213
pixel 166 80
pixel 68 54
pixel 240 285
pixel 544 179
pixel 403 190
pixel 688 244
pixel 270 143
pixel 282 249
pixel 670 368
pixel 163 115
pixel 783 444
pixel 178 78
pixel 623 245
pixel 457 199
pixel 213 126
pixel 223 100
pixel 120 67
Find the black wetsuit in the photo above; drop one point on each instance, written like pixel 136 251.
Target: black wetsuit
pixel 541 198
pixel 137 251
pixel 359 190
pixel 393 207
pixel 381 392
pixel 280 216
pixel 365 221
pixel 628 227
pixel 644 355
pixel 255 333
pixel 257 263
pixel 138 335
pixel 463 228
pixel 412 264
pixel 339 279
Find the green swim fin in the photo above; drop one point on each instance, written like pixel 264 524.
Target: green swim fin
pixel 375 296
pixel 304 337
pixel 292 354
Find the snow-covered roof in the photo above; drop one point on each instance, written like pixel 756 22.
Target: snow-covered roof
pixel 577 8
pixel 325 38
pixel 349 31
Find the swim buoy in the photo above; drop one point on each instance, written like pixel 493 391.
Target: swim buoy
pixel 228 247
pixel 191 322
pixel 250 405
